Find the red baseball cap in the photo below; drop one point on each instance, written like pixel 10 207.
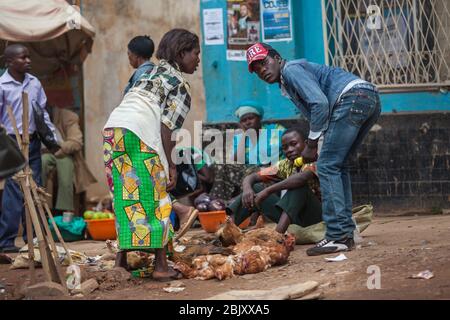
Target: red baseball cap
pixel 255 53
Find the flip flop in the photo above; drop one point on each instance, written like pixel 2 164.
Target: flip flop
pixel 177 276
pixel 193 214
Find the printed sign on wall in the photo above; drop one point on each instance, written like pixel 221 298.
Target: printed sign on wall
pixel 244 27
pixel 213 26
pixel 276 20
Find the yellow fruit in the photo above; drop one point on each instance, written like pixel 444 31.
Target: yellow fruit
pixel 88 215
pixel 298 162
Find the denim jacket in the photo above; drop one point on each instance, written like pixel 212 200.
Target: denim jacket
pixel 143 68
pixel 314 89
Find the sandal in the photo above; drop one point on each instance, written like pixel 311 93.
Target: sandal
pixel 193 214
pixel 177 276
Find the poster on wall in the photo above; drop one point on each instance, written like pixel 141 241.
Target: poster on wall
pixel 276 20
pixel 244 27
pixel 213 26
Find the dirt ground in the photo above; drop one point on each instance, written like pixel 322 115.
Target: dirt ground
pixel 399 246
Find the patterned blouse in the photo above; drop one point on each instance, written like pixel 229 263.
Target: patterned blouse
pixel 166 85
pixel 285 168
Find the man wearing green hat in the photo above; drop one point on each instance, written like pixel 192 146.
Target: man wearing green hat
pixel 258 145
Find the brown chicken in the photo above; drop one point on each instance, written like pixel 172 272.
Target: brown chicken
pixel 139 259
pixel 253 252
pixel 263 234
pixel 202 238
pixel 229 233
pixel 260 222
pixel 187 271
pixel 289 241
pixel 252 261
pixel 204 270
pixel 223 268
pixel 271 244
pixel 193 251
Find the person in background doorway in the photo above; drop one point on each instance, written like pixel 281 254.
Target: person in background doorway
pixel 71 168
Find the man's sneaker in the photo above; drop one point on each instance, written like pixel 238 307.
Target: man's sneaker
pixel 329 246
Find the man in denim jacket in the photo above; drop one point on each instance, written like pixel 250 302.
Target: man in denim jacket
pixel 340 107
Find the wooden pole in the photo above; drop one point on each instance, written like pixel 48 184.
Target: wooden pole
pixel 14 124
pixel 40 236
pixel 25 125
pixel 57 265
pixel 29 227
pixel 50 263
pixel 25 183
pixel 55 227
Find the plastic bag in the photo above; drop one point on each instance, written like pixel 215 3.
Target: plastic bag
pixel 70 231
pixel 21 261
pixel 73 277
pixel 362 216
pixel 45 133
pixel 11 158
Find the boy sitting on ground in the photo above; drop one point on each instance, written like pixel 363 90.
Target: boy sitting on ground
pixel 300 204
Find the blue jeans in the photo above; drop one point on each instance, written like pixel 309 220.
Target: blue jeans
pixel 352 117
pixel 13 210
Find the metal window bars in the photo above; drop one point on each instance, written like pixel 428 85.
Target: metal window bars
pixel 395 44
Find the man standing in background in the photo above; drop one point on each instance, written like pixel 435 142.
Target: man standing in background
pixel 12 83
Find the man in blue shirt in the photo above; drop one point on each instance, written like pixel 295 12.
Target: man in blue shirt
pixel 12 83
pixel 341 107
pixel 140 50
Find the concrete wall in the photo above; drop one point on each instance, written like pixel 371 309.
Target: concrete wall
pixel 403 163
pixel 106 70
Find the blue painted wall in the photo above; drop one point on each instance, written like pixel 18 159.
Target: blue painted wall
pixel 228 82
pixel 415 101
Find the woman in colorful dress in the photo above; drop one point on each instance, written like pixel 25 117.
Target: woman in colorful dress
pixel 138 148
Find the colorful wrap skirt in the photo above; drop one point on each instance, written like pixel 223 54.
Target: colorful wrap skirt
pixel 137 180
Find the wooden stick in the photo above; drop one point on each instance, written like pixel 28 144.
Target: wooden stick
pixel 37 200
pixel 50 264
pixel 25 150
pixel 25 124
pixel 55 227
pixel 40 236
pixel 29 227
pixel 14 124
pixel 29 230
pixel 43 244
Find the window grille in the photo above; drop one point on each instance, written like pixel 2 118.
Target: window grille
pixel 391 43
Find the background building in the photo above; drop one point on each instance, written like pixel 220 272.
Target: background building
pixel 106 70
pixel 400 45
